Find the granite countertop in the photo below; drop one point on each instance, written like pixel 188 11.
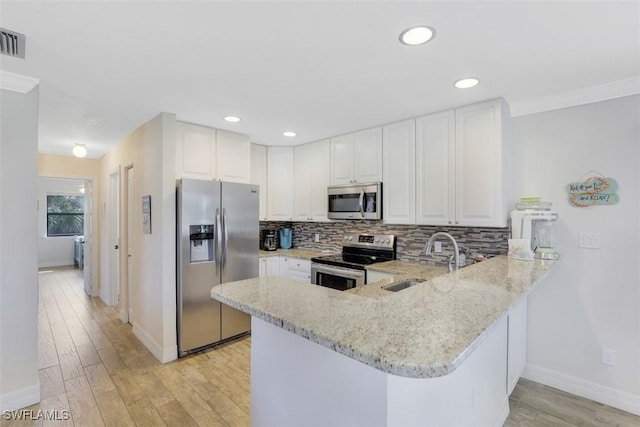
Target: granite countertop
pixel 402 270
pixel 295 253
pixel 424 331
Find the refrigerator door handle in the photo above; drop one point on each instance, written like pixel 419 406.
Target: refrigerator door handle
pixel 226 235
pixel 218 253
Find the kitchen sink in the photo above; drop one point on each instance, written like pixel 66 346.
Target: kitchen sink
pixel 400 286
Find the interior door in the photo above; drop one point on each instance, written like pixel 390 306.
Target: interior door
pixel 131 253
pixel 240 209
pixel 88 238
pixel 112 292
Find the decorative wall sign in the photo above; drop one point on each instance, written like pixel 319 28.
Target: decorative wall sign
pixel 146 214
pixel 595 190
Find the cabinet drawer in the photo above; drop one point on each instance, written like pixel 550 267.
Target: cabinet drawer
pixel 296 264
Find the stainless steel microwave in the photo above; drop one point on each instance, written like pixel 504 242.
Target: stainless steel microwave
pixel 355 201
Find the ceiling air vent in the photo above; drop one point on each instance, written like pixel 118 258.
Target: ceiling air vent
pixel 12 43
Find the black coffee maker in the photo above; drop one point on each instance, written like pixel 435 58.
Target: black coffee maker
pixel 268 240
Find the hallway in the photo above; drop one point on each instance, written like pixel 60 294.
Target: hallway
pixel 95 372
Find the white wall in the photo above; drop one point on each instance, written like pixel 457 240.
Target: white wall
pixel 150 149
pixel 54 251
pixel 19 383
pixel 592 298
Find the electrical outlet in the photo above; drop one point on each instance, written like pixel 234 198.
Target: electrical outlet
pixel 589 240
pixel 437 247
pixel 317 238
pixel 608 356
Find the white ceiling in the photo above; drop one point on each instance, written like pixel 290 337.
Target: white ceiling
pixel 318 68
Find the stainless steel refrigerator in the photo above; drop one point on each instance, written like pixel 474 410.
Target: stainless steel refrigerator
pixel 217 242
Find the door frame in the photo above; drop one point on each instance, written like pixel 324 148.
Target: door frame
pixel 112 290
pixel 127 297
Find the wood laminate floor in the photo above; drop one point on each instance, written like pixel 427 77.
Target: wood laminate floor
pixel 95 372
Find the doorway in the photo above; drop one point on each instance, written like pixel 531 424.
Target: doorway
pixel 128 301
pixel 66 226
pixel 109 294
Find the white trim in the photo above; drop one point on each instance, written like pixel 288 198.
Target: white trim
pixel 20 398
pixel 17 82
pixel 600 393
pixel 587 95
pixel 164 355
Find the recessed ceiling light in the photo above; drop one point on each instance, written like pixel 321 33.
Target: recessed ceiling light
pixel 466 83
pixel 232 119
pixel 79 150
pixel 417 35
pixel 289 133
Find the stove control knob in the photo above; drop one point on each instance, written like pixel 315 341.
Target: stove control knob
pixel 386 240
pixel 350 237
pixel 346 238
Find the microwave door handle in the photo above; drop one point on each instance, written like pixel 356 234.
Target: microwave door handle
pixel 362 203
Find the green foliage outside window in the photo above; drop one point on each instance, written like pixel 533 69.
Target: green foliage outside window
pixel 65 215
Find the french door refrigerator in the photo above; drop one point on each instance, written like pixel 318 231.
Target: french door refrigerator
pixel 217 242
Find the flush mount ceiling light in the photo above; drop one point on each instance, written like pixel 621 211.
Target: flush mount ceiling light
pixel 417 35
pixel 466 83
pixel 289 133
pixel 232 119
pixel 79 150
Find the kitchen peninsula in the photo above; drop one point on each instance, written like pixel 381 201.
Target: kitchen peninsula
pixel 442 352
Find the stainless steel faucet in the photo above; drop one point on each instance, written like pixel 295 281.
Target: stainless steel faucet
pixel 428 249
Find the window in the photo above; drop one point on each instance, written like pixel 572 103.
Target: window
pixel 65 215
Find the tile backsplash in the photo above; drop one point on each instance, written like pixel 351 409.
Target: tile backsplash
pixel 411 239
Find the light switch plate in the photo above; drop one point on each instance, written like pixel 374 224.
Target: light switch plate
pixel 589 240
pixel 437 246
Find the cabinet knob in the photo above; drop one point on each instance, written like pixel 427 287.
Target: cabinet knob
pixel 449 222
pixel 456 222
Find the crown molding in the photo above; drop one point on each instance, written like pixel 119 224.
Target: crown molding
pixel 587 95
pixel 17 82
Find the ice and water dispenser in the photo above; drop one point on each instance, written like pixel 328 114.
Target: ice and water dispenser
pixel 201 242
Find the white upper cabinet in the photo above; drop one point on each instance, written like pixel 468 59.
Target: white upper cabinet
pixel 482 135
pixel 259 175
pixel 398 191
pixel 357 157
pixel 368 155
pixel 435 169
pixel 195 151
pixel 311 178
pixel 233 157
pixel 460 164
pixel 280 183
pixel 206 153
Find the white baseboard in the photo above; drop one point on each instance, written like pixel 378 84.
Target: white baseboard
pixel 603 394
pixel 164 355
pixel 59 263
pixel 20 398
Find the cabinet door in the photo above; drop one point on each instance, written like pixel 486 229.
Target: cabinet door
pixel 320 179
pixel 479 165
pixel 259 175
pixel 398 190
pixel 435 169
pixel 280 183
pixel 273 266
pixel 262 267
pixel 303 177
pixel 195 151
pixel 368 155
pixel 233 156
pixel 342 157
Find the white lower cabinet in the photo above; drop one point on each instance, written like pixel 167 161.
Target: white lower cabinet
pixel 295 268
pixel 283 266
pixel 269 266
pixel 376 276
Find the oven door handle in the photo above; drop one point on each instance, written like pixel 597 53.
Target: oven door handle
pixel 362 203
pixel 337 271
